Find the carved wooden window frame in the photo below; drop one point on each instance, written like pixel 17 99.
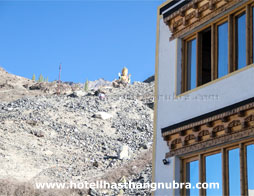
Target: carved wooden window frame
pixel 185 63
pixel 242 145
pixel 230 18
pixel 215 45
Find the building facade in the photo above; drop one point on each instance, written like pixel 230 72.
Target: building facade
pixel 204 101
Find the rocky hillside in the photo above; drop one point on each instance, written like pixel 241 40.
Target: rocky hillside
pixel 75 136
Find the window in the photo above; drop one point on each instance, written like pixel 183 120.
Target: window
pixel 213 173
pixel 219 48
pixel 222 49
pixel 250 168
pixel 230 166
pixel 191 64
pixel 192 176
pixel 240 40
pixel 196 77
pixel 234 172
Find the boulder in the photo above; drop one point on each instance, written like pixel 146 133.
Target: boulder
pixel 124 153
pixel 102 115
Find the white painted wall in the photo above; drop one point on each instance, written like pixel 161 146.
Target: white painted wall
pixel 167 61
pixel 251 192
pixel 227 91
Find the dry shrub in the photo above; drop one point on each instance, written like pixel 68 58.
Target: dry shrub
pixel 15 188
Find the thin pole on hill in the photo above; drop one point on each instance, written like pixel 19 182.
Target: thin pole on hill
pixel 59 79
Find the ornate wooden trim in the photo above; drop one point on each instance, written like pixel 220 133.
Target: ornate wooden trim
pixel 196 13
pixel 214 142
pixel 215 130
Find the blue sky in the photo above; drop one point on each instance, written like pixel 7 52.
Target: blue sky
pixel 92 39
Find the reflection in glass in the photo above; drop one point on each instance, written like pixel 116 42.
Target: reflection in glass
pixel 234 172
pixel 222 49
pixel 191 64
pixel 192 176
pixel 241 40
pixel 250 167
pixel 214 173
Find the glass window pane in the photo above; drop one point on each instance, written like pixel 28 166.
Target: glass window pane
pixel 191 64
pixel 241 40
pixel 214 173
pixel 234 172
pixel 222 49
pixel 250 168
pixel 192 175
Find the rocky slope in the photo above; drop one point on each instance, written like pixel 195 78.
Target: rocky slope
pixel 46 137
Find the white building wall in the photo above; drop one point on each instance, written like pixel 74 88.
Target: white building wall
pixel 224 92
pixel 167 53
pixel 251 192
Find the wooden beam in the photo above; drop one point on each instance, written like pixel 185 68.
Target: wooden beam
pixel 199 59
pixel 248 35
pixel 213 51
pixel 251 37
pixel 202 173
pixel 245 169
pixel 231 45
pixel 242 170
pixel 182 174
pixel 183 67
pixel 224 172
